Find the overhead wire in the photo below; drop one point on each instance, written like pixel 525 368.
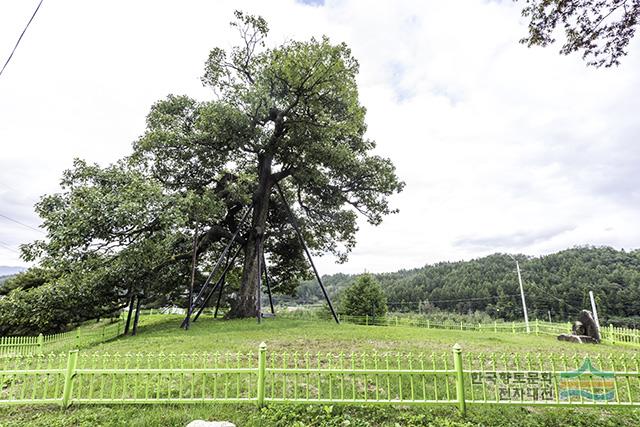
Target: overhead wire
pixel 7 247
pixel 546 292
pixel 432 301
pixel 20 38
pixel 7 186
pixel 428 300
pixel 21 223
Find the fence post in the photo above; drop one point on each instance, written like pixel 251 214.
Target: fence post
pixel 397 321
pixel 262 368
pixel 77 337
pixel 537 328
pixel 72 362
pixel 513 328
pixel 40 343
pixel 611 336
pixel 428 324
pixel 495 326
pixel 461 326
pixel 457 365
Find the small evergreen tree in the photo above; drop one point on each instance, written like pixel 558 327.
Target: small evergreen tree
pixel 364 297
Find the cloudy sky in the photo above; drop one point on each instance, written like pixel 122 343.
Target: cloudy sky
pixel 502 148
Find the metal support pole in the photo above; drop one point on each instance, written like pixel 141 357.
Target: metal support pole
pixel 267 282
pixel 220 283
pixel 130 313
pixel 137 316
pixel 215 314
pixel 259 254
pixel 595 310
pixel 209 295
pixel 215 267
pixel 294 223
pixel 194 261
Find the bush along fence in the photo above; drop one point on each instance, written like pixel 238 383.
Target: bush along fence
pixel 608 333
pixel 265 378
pixel 78 338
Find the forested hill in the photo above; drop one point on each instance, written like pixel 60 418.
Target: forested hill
pixel 558 283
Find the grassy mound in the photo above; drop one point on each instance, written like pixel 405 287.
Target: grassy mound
pixel 161 333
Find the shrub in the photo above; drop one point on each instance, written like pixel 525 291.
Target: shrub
pixel 364 297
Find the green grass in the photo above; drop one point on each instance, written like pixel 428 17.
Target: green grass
pixel 159 333
pixel 298 416
pixel 162 334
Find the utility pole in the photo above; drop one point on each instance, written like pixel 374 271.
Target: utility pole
pixel 524 303
pixel 595 311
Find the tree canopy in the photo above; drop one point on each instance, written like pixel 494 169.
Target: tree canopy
pixel 599 29
pixel 364 297
pixel 286 116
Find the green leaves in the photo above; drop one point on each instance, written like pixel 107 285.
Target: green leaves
pixel 288 114
pixel 364 297
pixel 600 29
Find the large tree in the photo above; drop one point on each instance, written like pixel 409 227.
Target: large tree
pixel 600 29
pixel 286 116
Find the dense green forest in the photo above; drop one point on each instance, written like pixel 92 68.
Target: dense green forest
pixel 556 284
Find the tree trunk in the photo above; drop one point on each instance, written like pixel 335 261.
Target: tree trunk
pixel 246 304
pixel 137 316
pixel 128 322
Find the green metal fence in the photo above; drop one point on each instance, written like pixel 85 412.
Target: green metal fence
pixel 78 338
pixel 610 334
pixel 538 327
pixel 620 335
pixel 356 378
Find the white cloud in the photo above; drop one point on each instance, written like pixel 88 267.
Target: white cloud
pixel 503 148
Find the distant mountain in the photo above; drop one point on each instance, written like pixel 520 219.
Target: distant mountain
pixel 555 285
pixel 8 271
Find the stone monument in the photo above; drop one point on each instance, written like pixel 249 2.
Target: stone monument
pixel 584 330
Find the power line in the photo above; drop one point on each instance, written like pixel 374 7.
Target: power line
pixel 428 300
pixel 546 292
pixel 432 301
pixel 4 245
pixel 22 223
pixel 20 38
pixel 8 187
